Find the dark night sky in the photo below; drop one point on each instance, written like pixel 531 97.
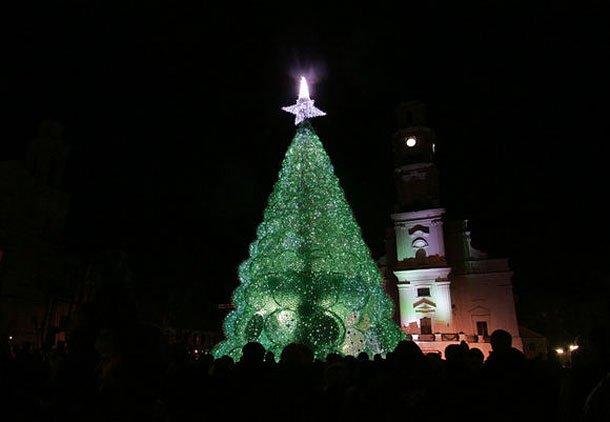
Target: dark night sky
pixel 173 115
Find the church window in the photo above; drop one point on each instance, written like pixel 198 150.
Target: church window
pixel 423 292
pixel 482 328
pixel 419 243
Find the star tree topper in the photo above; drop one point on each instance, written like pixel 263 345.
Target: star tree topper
pixel 304 108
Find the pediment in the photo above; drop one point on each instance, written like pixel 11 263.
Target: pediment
pixel 419 229
pixel 424 302
pixel 479 310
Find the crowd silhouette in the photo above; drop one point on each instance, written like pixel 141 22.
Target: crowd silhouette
pixel 133 376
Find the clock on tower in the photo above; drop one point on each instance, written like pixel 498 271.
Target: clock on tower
pixel 414 168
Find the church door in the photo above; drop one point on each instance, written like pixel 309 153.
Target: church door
pixel 425 325
pixel 482 328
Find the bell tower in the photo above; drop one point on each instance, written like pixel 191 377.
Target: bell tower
pixel 448 290
pixel 416 175
pixel 419 262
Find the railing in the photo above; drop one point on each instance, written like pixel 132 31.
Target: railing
pixel 469 338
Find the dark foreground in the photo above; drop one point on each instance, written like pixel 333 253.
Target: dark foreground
pixel 139 382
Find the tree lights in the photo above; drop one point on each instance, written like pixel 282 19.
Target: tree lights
pixel 309 278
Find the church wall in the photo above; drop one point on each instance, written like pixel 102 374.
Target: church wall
pixel 487 298
pixel 419 231
pixel 414 306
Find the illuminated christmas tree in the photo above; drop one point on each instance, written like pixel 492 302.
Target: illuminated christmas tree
pixel 310 278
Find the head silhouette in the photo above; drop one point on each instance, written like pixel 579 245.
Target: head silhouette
pixel 476 357
pixel 253 353
pixel 453 353
pixel 362 356
pixel 501 341
pixel 296 354
pixel 407 351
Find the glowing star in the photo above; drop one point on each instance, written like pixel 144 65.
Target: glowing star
pixel 304 108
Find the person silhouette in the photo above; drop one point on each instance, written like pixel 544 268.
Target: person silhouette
pixel 504 374
pixel 252 355
pixel 503 358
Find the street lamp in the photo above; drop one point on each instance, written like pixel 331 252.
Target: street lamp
pixel 565 354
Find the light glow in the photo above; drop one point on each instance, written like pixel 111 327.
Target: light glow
pixel 303 89
pixel 411 142
pixel 304 108
pixel 573 347
pixel 559 351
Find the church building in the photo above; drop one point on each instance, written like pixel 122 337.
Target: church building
pixel 445 289
pixel 36 273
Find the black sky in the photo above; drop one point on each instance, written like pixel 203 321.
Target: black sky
pixel 173 114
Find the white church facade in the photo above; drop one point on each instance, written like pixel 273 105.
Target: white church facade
pixel 446 290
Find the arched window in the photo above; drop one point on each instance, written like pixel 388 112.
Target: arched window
pixel 420 242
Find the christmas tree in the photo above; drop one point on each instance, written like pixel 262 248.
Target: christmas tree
pixel 310 278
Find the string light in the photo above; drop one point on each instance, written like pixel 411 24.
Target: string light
pixel 310 277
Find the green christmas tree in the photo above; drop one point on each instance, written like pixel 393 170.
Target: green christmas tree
pixel 310 278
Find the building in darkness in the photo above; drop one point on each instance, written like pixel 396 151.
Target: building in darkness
pixel 446 290
pixel 34 268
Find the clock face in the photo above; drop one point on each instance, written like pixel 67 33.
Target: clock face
pixel 411 141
